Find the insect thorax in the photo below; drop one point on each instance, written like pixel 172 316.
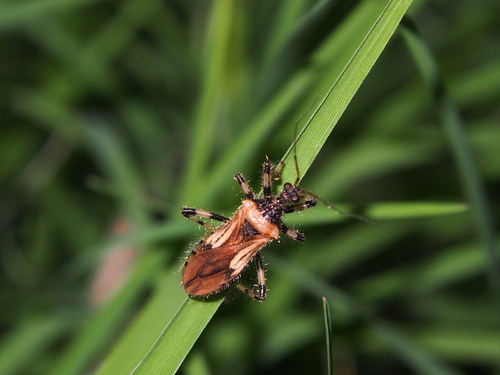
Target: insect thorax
pixel 271 209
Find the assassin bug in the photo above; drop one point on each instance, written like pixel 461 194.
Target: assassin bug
pixel 221 256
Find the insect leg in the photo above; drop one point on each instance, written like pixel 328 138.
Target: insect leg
pixel 247 291
pixel 300 206
pixel 261 277
pixel 190 213
pixel 266 178
pixel 244 186
pixel 293 234
pixel 277 171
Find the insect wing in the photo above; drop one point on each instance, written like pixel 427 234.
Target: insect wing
pixel 209 271
pixel 231 233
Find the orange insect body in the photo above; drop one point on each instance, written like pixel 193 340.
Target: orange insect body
pixel 223 254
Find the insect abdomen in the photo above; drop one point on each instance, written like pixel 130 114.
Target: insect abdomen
pixel 209 271
pixel 206 273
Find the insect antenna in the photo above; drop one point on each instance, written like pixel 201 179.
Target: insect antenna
pixel 295 140
pixel 297 179
pixel 332 207
pixel 307 192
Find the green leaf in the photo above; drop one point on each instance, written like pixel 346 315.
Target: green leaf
pixel 178 337
pixel 407 210
pixel 328 334
pixel 100 329
pixel 141 335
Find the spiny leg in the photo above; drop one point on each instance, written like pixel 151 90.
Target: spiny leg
pixel 277 170
pixel 244 186
pixel 261 277
pixel 190 213
pixel 300 206
pixel 266 178
pixel 247 291
pixel 293 234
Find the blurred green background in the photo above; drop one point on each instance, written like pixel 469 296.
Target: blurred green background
pixel 115 114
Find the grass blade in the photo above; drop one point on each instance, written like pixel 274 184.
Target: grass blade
pixel 328 334
pixel 328 112
pixel 178 337
pixel 454 127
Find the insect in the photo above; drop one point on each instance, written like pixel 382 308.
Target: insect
pixel 221 256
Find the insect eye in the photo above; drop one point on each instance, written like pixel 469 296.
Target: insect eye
pixel 290 193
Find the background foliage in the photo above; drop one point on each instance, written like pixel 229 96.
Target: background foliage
pixel 116 114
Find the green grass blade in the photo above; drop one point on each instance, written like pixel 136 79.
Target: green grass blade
pixel 30 339
pixel 346 307
pixel 379 211
pixel 122 114
pixel 408 210
pixel 142 333
pixel 366 158
pixel 451 266
pixel 454 127
pixel 178 337
pixel 17 14
pixel 100 329
pixel 326 115
pixel 114 158
pixel 214 64
pixel 260 127
pixel 422 361
pixel 328 333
